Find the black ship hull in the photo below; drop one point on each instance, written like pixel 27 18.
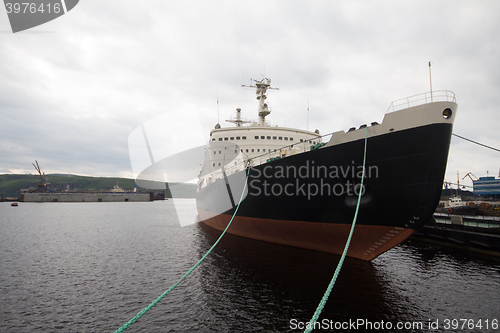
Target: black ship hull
pixel 308 200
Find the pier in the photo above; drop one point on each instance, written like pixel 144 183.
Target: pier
pixel 472 233
pixel 85 197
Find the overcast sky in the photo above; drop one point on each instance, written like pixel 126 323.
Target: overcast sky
pixel 73 90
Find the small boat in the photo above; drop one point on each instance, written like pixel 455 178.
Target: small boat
pixel 456 206
pixel 14 204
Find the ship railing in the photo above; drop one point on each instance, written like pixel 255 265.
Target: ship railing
pixel 420 99
pixel 282 152
pixel 294 148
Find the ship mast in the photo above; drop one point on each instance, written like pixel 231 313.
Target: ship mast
pixel 261 89
pixel 238 121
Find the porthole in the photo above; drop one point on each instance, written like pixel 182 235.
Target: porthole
pixel 447 113
pixel 256 137
pixel 262 137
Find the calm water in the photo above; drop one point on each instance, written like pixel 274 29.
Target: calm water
pixel 90 267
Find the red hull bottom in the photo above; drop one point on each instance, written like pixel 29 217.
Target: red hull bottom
pixel 367 242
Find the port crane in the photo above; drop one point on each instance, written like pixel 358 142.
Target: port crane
pixel 470 174
pixel 42 184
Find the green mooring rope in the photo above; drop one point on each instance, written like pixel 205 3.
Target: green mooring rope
pixel 147 308
pixel 323 301
pixel 477 143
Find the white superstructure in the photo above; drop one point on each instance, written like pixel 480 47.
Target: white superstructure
pixel 253 142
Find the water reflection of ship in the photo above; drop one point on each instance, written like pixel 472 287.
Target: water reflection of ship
pixel 243 280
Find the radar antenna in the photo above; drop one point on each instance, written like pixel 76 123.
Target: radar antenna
pixel 261 89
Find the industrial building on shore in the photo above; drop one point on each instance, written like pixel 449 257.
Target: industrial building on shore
pixel 487 188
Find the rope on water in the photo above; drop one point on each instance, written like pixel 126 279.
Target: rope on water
pixel 147 308
pixel 323 301
pixel 477 143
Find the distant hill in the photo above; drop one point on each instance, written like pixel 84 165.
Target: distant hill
pixel 10 184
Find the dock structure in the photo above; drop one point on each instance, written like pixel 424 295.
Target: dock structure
pixel 472 233
pixel 85 197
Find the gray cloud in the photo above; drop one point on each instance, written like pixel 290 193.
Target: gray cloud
pixel 71 98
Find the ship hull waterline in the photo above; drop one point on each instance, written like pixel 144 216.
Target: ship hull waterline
pixel 367 243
